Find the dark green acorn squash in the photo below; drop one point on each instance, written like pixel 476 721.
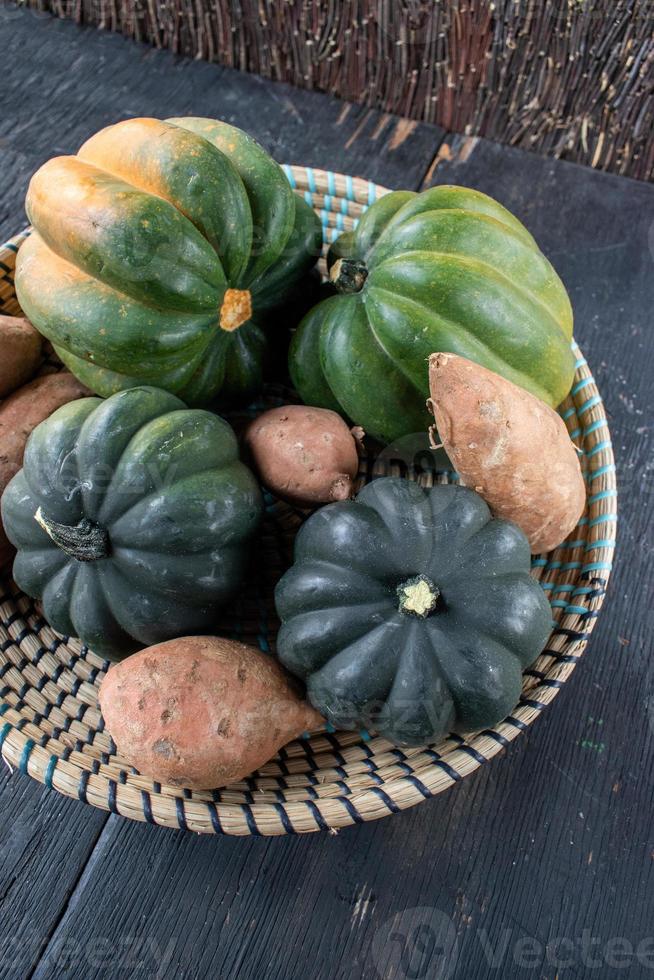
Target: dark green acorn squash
pixel 131 518
pixel 445 270
pixel 411 612
pixel 159 254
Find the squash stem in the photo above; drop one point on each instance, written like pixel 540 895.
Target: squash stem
pixel 86 541
pixel 236 309
pixel 348 275
pixel 418 597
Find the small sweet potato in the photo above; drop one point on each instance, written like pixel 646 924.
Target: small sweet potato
pixel 510 447
pixel 307 456
pixel 19 415
pixel 20 344
pixel 202 711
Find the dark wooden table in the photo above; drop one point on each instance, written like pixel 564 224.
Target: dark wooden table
pixel 539 865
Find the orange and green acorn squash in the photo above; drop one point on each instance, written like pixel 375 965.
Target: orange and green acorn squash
pixel 159 254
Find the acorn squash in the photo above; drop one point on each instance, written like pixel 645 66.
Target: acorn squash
pixel 448 269
pixel 132 518
pixel 411 611
pixel 160 251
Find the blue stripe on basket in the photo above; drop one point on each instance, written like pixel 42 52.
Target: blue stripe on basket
pixel 472 752
pixel 452 773
pixel 25 755
pixel 4 731
pixel 351 809
pixel 591 403
pixel 111 796
pixel 372 193
pixel 600 447
pixel 532 703
pixel 50 770
pixel 602 495
pixel 497 736
pixel 214 816
pixel 580 362
pixel 516 722
pixel 580 385
pixel 180 813
pixel 331 182
pixel 349 188
pixel 82 786
pixel 420 786
pixel 249 819
pixel 147 806
pixel 600 543
pixel 601 519
pixel 311 179
pixel 284 817
pixel 595 474
pixel 289 175
pixel 385 798
pixel 317 815
pixel 594 426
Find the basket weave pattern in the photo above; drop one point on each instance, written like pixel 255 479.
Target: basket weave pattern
pixel 50 723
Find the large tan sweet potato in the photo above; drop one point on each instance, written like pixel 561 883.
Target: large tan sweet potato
pixel 307 456
pixel 19 415
pixel 202 711
pixel 510 447
pixel 20 352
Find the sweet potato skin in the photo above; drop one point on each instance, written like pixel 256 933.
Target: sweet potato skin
pixel 20 344
pixel 202 711
pixel 510 447
pixel 307 456
pixel 19 416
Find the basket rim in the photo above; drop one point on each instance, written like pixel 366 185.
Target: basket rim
pixel 340 199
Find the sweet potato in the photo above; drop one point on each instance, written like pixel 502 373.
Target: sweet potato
pixel 307 456
pixel 20 347
pixel 19 415
pixel 202 711
pixel 510 447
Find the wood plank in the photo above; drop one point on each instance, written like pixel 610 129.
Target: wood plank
pixel 45 842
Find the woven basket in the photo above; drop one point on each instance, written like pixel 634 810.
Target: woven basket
pixel 51 727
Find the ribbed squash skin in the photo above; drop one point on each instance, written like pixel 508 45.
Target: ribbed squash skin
pixel 368 663
pixel 137 240
pixel 448 269
pixel 166 486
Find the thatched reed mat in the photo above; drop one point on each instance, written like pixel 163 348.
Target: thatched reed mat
pixel 567 78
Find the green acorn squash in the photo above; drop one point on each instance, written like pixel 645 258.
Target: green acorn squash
pixel 411 611
pixel 445 270
pixel 160 251
pixel 131 518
